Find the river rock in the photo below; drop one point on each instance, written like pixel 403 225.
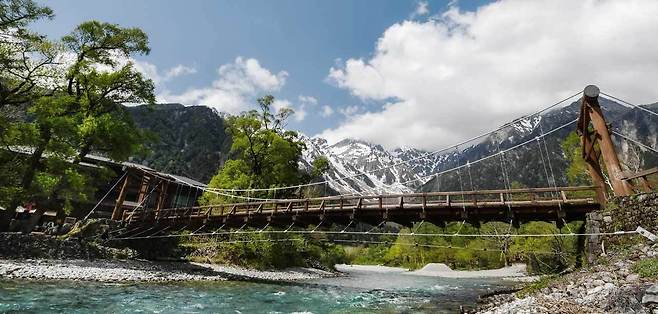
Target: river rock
pixel 650 297
pixel 632 277
pixel 598 282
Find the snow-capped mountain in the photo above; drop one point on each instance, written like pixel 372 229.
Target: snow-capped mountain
pixel 355 164
pixel 362 168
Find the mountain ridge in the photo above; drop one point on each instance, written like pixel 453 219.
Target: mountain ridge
pixel 194 143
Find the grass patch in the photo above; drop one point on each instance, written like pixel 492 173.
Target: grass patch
pixel 646 268
pixel 536 286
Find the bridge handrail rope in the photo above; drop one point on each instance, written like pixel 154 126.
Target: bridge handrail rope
pixel 345 232
pixel 461 185
pixel 142 202
pixel 125 173
pixel 508 186
pixel 406 161
pixel 403 183
pixel 492 155
pixel 385 242
pixel 391 196
pixel 553 179
pixel 214 191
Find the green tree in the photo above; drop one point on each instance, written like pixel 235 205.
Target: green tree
pixel 26 58
pixel 320 166
pixel 84 112
pixel 577 173
pixel 265 155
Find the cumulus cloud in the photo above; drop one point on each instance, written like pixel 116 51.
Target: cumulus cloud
pixel 327 111
pixel 422 8
pixel 159 78
pixel 465 72
pixel 149 70
pixel 350 111
pixel 299 111
pixel 179 70
pixel 233 91
pixel 308 100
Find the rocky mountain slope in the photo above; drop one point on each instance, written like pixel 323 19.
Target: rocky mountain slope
pixel 533 165
pixel 189 141
pixel 193 142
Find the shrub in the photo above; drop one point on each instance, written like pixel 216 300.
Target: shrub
pixel 647 268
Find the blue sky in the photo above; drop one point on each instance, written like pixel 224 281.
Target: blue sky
pixel 390 73
pixel 303 38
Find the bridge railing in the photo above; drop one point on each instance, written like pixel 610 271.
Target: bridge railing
pixel 481 198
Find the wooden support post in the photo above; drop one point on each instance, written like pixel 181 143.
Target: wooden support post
pixel 162 195
pixel 143 187
pixel 590 112
pixel 117 213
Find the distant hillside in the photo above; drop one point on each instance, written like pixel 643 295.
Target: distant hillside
pixel 191 141
pixel 524 165
pixel 194 143
pixel 529 165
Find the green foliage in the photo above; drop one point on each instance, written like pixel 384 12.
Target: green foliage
pixel 320 166
pixel 25 57
pixel 647 268
pixel 57 115
pixel 191 141
pixel 536 286
pixel 577 173
pixel 542 254
pixel 265 251
pixel 266 155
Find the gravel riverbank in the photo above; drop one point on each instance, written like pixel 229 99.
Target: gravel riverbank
pixel 609 287
pixel 144 271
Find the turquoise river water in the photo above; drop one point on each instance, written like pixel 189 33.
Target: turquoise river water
pixel 361 292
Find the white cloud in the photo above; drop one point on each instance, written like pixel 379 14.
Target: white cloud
pixel 308 100
pixel 299 112
pixel 149 70
pixel 462 73
pixel 422 8
pixel 237 84
pixel 179 70
pixel 349 111
pixel 327 111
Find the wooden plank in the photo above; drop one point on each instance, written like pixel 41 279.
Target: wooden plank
pixel 628 175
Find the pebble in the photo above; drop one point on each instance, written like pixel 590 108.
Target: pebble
pixel 605 288
pixel 143 271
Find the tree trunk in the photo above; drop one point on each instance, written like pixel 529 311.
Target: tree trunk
pixel 34 162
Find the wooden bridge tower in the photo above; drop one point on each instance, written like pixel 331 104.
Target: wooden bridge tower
pixel 591 115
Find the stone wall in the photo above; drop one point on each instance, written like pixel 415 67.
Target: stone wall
pixel 628 212
pixel 41 246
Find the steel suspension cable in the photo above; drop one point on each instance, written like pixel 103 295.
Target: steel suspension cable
pixel 636 142
pixel 630 104
pixel 344 232
pixel 362 173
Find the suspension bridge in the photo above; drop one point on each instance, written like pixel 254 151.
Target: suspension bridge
pixel 551 203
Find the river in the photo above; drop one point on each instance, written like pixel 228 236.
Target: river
pixel 361 292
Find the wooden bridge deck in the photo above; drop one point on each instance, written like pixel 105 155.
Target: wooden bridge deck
pixel 518 205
